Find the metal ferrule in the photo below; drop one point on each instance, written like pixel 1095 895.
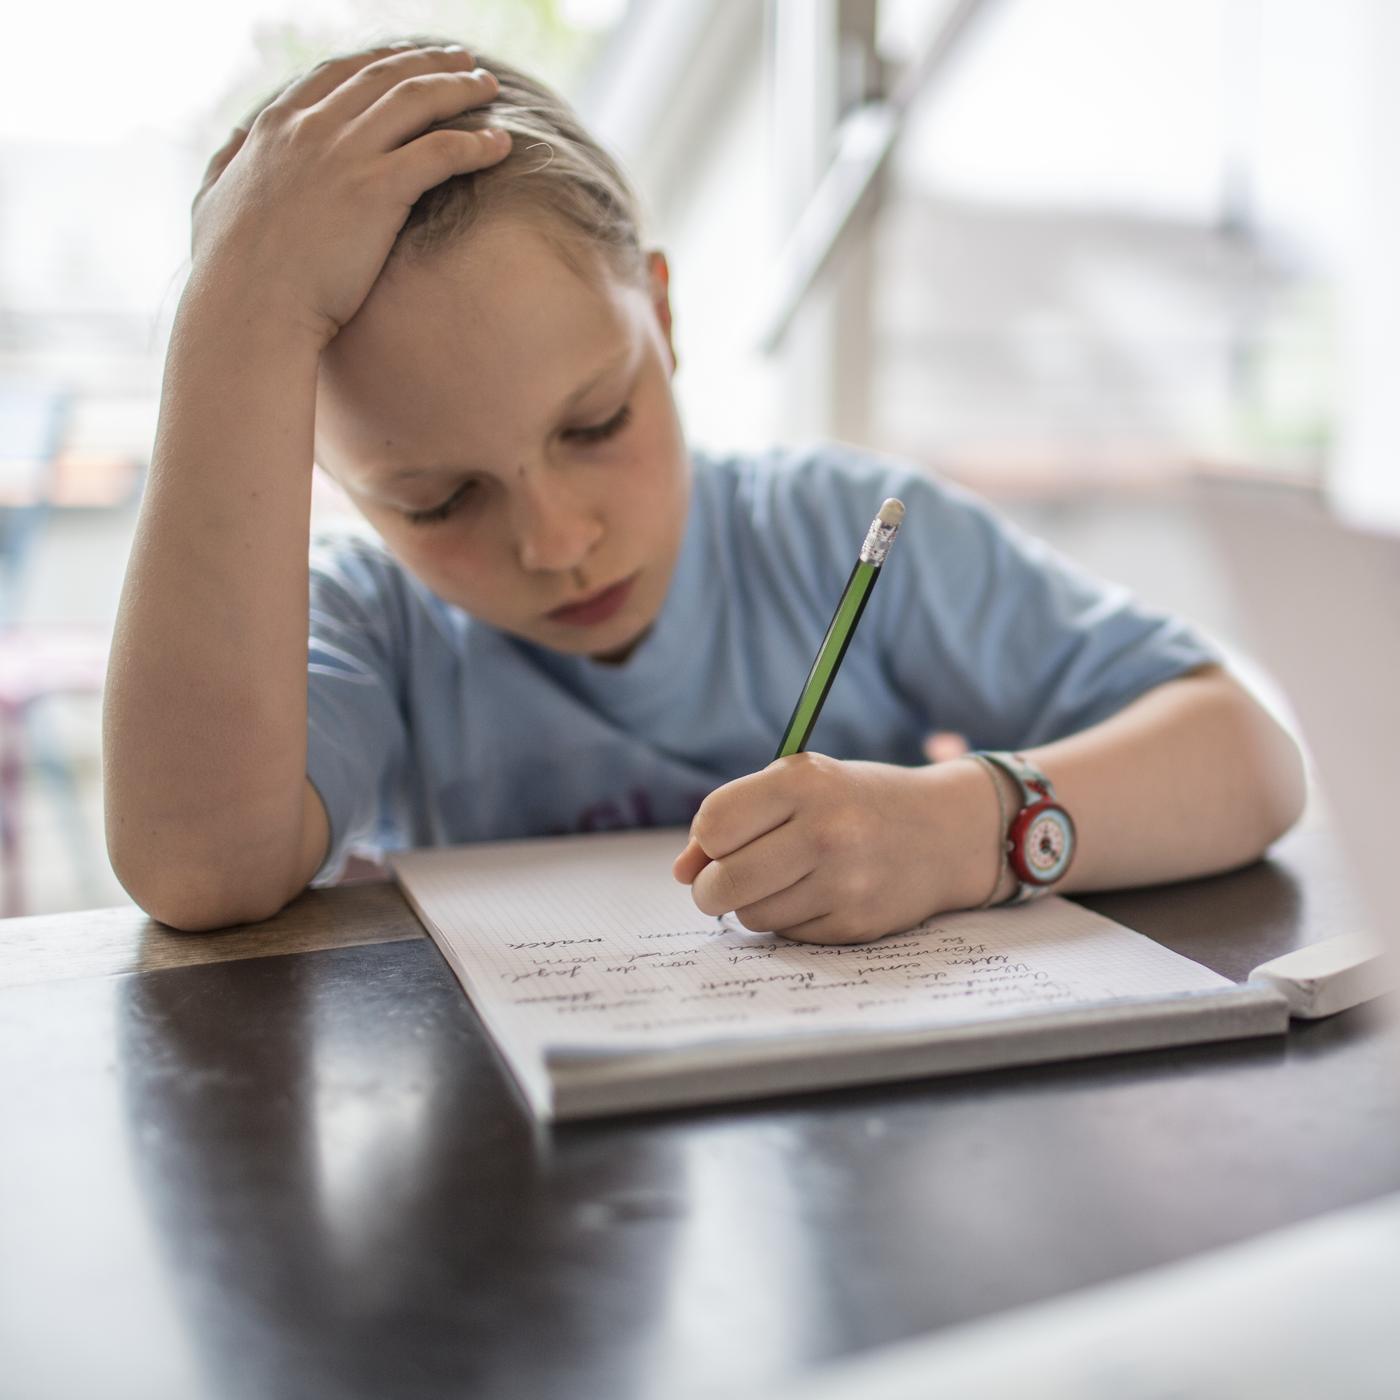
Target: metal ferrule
pixel 878 540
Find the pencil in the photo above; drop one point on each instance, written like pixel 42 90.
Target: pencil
pixel 873 553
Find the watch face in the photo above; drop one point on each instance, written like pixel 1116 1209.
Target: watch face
pixel 1046 845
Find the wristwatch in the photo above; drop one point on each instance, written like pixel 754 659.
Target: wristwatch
pixel 1040 838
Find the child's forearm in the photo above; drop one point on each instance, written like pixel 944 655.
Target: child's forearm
pixel 1192 778
pixel 210 818
pixel 205 709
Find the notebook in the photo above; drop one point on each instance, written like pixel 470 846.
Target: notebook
pixel 605 990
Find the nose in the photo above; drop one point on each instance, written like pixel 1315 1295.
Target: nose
pixel 555 528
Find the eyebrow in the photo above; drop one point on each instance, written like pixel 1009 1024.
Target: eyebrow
pixel 617 362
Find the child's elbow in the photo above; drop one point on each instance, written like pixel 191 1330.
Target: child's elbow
pixel 1277 775
pixel 192 917
pixel 200 902
pixel 1289 794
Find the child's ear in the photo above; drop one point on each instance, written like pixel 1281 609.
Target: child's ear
pixel 659 285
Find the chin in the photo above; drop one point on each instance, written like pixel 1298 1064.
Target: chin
pixel 615 655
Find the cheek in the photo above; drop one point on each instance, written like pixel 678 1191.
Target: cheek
pixel 452 561
pixel 657 459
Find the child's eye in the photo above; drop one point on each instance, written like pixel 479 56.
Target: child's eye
pixel 441 512
pixel 600 432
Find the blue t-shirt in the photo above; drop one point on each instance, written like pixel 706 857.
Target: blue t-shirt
pixel 427 727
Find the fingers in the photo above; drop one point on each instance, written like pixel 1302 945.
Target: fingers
pixel 801 902
pixel 775 862
pixel 809 848
pixel 827 905
pixel 415 103
pixel 359 93
pixel 830 929
pixel 439 155
pixel 219 161
pixel 741 811
pixel 324 78
pixel 690 862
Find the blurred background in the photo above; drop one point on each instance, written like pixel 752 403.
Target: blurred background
pixel 1067 251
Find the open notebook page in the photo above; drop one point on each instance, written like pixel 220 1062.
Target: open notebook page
pixel 586 944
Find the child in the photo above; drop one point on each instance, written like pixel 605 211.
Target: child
pixel 427 277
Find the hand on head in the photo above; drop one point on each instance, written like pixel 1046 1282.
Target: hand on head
pixel 301 207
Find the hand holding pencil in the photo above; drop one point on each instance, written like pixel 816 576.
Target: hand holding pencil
pixel 829 851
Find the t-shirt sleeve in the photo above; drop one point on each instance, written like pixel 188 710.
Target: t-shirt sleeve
pixel 991 633
pixel 356 741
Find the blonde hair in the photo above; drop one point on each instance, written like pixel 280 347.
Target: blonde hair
pixel 555 171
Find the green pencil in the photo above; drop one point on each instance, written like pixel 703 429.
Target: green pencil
pixel 878 540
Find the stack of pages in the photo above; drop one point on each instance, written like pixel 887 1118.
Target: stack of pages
pixel 606 990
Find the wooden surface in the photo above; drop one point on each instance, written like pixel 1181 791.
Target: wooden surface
pixel 258 1171
pixel 109 942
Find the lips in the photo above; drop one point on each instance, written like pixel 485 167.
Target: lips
pixel 597 607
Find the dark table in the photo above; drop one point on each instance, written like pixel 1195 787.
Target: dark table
pixel 284 1161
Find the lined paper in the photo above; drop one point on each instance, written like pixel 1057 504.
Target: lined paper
pixel 586 944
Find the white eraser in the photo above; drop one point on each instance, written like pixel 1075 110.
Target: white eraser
pixel 1334 975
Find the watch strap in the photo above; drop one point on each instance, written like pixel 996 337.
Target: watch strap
pixel 1033 784
pixel 1034 787
pixel 1003 826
